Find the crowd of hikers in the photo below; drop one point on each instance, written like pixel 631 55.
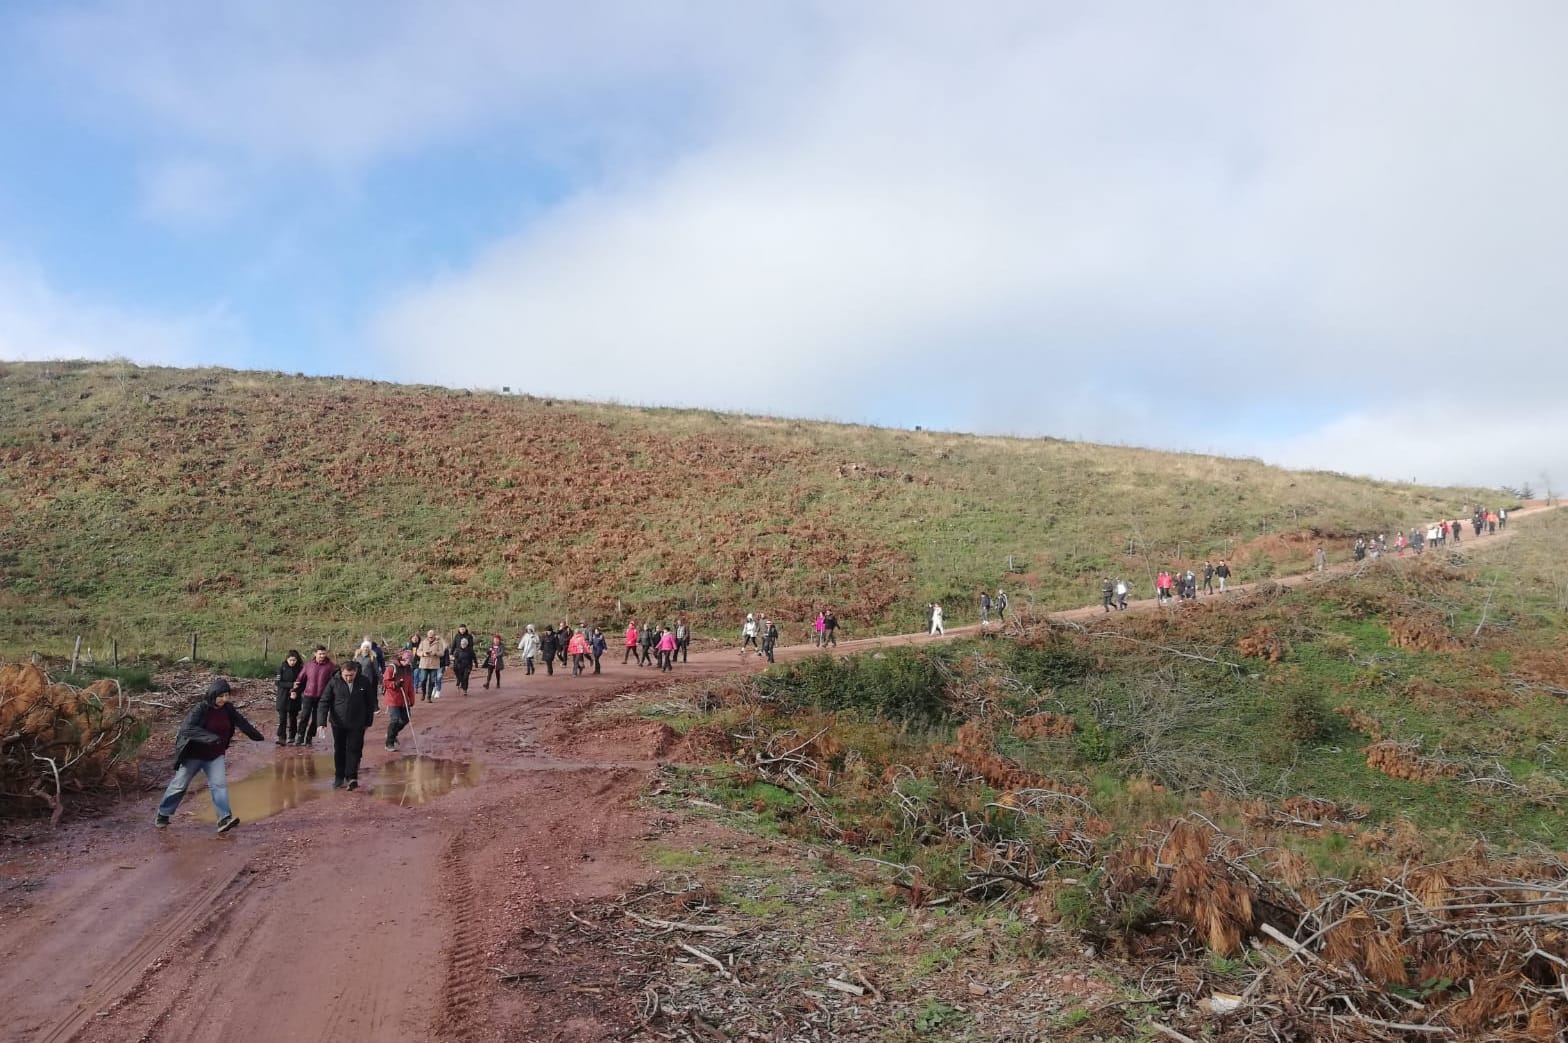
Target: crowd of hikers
pixel 315 693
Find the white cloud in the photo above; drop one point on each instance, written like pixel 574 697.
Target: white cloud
pixel 39 322
pixel 188 193
pixel 1120 221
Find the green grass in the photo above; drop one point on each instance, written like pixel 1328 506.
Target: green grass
pixel 260 510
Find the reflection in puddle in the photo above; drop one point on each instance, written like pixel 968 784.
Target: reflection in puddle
pixel 286 783
pixel 415 780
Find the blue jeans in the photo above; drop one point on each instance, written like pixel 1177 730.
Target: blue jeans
pixel 185 774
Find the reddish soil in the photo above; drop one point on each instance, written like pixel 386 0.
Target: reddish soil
pixel 351 917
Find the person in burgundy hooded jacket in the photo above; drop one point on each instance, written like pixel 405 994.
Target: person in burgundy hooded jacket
pixel 199 746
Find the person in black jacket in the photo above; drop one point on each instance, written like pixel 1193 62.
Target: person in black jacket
pixel 464 656
pixel 547 649
pixel 288 698
pixel 198 749
pixel 349 705
pixel 770 638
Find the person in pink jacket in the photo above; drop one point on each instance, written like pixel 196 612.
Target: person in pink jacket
pixel 577 648
pixel 820 626
pixel 666 648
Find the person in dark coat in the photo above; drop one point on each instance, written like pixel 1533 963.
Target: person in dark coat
pixel 199 746
pixel 547 649
pixel 288 699
pixel 770 638
pixel 598 644
pixel 349 705
pixel 464 656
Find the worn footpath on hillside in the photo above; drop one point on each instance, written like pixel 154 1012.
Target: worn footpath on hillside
pixel 358 915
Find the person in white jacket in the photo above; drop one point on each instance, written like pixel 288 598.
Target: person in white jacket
pixel 529 646
pixel 936 618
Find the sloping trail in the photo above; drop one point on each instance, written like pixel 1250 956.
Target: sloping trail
pixel 350 917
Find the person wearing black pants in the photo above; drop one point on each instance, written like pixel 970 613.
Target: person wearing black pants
pixel 464 655
pixel 349 705
pixel 288 698
pixel 682 639
pixel 598 644
pixel 547 649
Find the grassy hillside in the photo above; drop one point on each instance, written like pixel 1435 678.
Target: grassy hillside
pixel 1372 763
pixel 143 504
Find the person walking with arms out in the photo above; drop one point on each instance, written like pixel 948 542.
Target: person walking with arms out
pixel 199 747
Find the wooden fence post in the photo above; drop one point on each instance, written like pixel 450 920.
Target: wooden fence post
pixel 266 647
pixel 76 653
pixel 193 647
pixel 117 653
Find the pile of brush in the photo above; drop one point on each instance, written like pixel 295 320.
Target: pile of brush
pixel 56 739
pixel 1466 949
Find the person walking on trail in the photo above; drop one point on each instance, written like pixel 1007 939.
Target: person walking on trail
pixel 682 639
pixel 1162 586
pixel 547 649
pixel 936 618
pixel 370 664
pixel 748 635
pixel 528 645
pixel 1454 530
pixel 464 656
pixel 1491 523
pixel 1208 577
pixel 577 648
pixel 310 684
pixel 647 637
pixel 1001 606
pixel 829 627
pixel 770 638
pixel 597 644
pixel 1121 595
pixel 411 646
pixel 631 641
pixel 349 705
pixel 397 695
pixel 667 648
pixel 1107 592
pixel 288 698
pixel 431 650
pixel 819 629
pixel 985 608
pixel 495 661
pixel 199 747
pixel 1190 586
pixel 1320 558
pixel 1502 517
pixel 1222 573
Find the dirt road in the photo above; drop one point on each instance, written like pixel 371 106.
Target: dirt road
pixel 355 916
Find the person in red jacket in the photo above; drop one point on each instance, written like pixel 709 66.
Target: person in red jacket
pixel 631 641
pixel 311 684
pixel 397 695
pixel 577 647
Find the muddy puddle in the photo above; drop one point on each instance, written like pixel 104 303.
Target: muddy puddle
pixel 293 780
pixel 286 783
pixel 417 780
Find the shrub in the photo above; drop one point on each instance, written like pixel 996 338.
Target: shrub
pixel 902 684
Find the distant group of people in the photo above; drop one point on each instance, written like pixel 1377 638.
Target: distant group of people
pixel 1169 585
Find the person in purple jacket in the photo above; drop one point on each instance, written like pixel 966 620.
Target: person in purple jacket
pixel 311 684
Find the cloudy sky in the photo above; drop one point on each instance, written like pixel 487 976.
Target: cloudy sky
pixel 1331 235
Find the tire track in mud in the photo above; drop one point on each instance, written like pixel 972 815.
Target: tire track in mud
pixel 125 977
pixel 464 988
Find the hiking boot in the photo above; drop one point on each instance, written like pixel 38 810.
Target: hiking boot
pixel 280 741
pixel 227 824
pixel 353 784
pixel 162 822
pixel 391 747
pixel 337 783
